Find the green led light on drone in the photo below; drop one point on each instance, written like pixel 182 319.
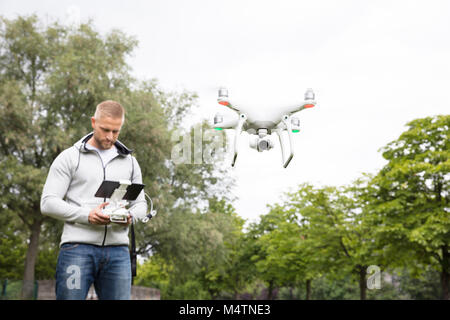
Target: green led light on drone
pixel 218 128
pixel 295 131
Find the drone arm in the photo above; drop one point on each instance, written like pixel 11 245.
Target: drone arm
pixel 227 103
pixel 307 104
pixel 226 121
pixel 309 101
pixel 238 130
pixel 294 108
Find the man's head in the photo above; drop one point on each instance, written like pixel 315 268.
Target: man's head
pixel 107 122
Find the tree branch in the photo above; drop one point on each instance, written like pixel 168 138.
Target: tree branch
pixel 343 247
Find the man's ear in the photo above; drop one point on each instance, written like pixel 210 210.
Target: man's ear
pixel 93 122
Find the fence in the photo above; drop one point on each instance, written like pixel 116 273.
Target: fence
pixel 12 289
pixel 45 290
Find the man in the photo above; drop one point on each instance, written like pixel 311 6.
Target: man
pixel 92 249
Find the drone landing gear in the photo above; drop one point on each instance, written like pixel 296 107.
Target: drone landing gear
pixel 238 130
pixel 286 120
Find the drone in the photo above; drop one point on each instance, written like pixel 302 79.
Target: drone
pixel 260 127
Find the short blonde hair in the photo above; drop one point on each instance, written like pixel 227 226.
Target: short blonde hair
pixel 109 108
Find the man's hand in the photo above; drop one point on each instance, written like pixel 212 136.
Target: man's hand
pixel 96 215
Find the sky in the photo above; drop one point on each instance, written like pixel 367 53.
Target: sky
pixel 373 65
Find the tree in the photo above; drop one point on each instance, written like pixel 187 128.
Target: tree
pixel 183 192
pixel 52 76
pixel 410 206
pixel 231 273
pixel 338 239
pixel 201 262
pixel 12 247
pixel 279 258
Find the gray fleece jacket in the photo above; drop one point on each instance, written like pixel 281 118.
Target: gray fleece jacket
pixel 71 184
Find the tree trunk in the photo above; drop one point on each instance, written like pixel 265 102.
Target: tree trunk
pixel 308 289
pixel 445 274
pixel 236 286
pixel 270 291
pixel 362 283
pixel 30 260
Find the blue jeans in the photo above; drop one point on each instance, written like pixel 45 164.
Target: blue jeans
pixel 81 265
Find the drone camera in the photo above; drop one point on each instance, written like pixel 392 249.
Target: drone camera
pixel 262 141
pixel 264 144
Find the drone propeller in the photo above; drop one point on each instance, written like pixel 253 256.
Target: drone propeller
pixel 308 102
pixel 224 100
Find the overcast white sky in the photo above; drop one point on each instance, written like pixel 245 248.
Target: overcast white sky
pixel 374 66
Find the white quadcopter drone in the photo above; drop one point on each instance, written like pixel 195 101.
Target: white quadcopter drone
pixel 261 126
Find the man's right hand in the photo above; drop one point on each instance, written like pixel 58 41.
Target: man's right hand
pixel 96 215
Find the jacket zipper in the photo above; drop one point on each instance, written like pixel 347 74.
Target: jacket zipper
pixel 104 178
pixel 104 199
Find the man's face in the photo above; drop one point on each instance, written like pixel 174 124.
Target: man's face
pixel 106 131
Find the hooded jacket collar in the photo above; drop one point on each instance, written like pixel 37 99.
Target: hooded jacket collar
pixel 121 148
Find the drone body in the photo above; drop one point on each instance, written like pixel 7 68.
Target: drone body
pixel 261 126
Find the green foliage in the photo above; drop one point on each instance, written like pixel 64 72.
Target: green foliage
pixel 278 254
pixel 53 76
pixel 154 273
pixel 395 219
pixel 198 260
pixel 410 202
pixel 316 243
pixel 413 186
pixel 328 236
pixel 427 286
pixel 12 255
pixel 46 263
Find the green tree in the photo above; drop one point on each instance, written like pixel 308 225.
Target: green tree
pixel 426 286
pixel 184 194
pixel 279 258
pixel 155 273
pixel 52 76
pixel 12 247
pixel 411 198
pixel 338 239
pixel 203 262
pixel 226 273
